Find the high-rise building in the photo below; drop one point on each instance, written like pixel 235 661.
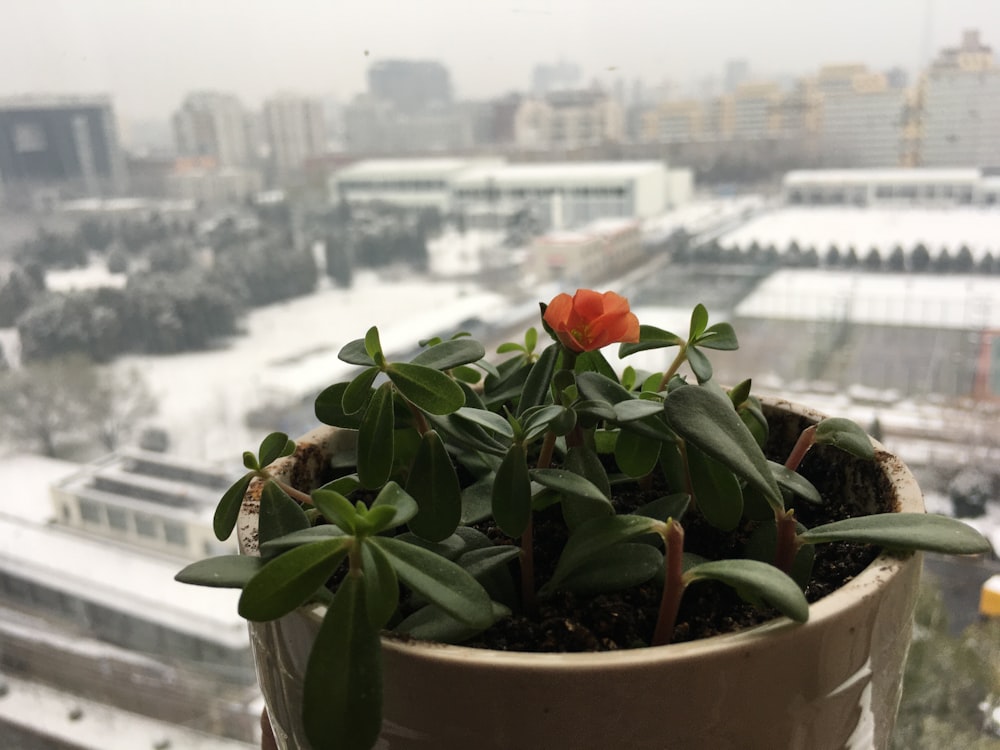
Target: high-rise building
pixel 569 119
pixel 960 96
pixel 295 130
pixel 863 117
pixel 215 125
pixel 68 144
pixel 410 85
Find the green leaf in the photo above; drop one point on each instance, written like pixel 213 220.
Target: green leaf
pixel 342 693
pixel 227 512
pixel 440 581
pixel 650 337
pixel 481 562
pixel 531 339
pixel 354 353
pixel 428 389
pixel 846 435
pixel 637 408
pixel 569 483
pixel 432 623
pixel 373 346
pixel 667 507
pixel 250 461
pixel 375 446
pixel 477 501
pixel 345 485
pixel 359 391
pixel 329 408
pixel 595 361
pixel 224 571
pixel 394 496
pixel 279 514
pixel 763 546
pixel 381 585
pixel 450 354
pixel 795 484
pixel 740 392
pixel 721 336
pixel 510 346
pixel 304 536
pixel 716 490
pixel 488 420
pixel 466 374
pixel 636 455
pixel 700 365
pixel 594 536
pixel 598 388
pixel 274 446
pixel 756 581
pixel 752 416
pixel 463 540
pixel 707 420
pixel 699 321
pixel 583 461
pixel 620 567
pixel 434 484
pixel 539 420
pixel 336 509
pixel 290 579
pixel 512 492
pixel 536 387
pixel 906 531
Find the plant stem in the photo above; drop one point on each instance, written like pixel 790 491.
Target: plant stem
pixel 419 420
pixel 673 584
pixel 545 452
pixel 302 497
pixel 787 546
pixel 674 366
pixel 802 445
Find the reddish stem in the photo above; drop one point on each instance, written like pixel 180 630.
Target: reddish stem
pixel 673 584
pixel 302 497
pixel 802 446
pixel 787 546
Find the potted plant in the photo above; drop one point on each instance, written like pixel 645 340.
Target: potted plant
pixel 553 503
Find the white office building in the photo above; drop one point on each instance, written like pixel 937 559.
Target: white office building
pixel 901 186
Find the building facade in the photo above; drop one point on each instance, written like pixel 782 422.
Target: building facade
pixel 295 130
pixel 568 120
pixel 960 96
pixel 214 125
pixel 67 145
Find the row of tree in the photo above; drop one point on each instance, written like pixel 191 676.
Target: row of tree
pixel 917 260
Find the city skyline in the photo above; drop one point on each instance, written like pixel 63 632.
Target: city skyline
pixel 148 56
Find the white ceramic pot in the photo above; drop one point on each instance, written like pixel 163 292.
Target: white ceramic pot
pixel 830 684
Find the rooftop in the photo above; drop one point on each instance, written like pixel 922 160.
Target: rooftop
pixel 556 171
pixel 889 175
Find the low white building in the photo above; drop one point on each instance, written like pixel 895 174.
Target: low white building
pixel 560 195
pixel 410 183
pixel 907 186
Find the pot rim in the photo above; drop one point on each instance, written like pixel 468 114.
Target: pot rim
pixel 881 571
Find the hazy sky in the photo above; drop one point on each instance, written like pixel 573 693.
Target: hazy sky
pixel 149 53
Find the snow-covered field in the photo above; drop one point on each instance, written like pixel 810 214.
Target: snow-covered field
pixel 865 228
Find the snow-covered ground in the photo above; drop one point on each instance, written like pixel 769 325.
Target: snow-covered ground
pixel 864 228
pixel 90 277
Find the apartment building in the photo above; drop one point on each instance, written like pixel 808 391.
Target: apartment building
pixel 960 113
pixel 295 131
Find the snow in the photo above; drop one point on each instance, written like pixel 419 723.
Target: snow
pixel 88 725
pixel 962 302
pixel 93 276
pixel 454 254
pixel 864 228
pixel 26 480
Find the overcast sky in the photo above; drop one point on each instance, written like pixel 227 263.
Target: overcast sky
pixel 148 53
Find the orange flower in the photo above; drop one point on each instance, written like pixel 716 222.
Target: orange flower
pixel 590 320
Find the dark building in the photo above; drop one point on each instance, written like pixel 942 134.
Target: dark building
pixel 410 85
pixel 61 147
